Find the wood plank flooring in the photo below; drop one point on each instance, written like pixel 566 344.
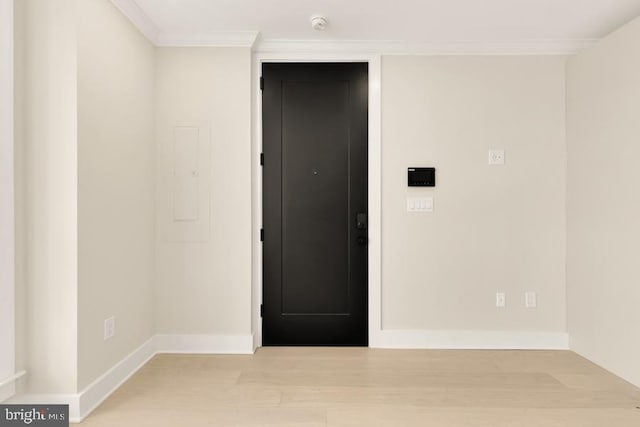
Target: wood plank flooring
pixel 369 387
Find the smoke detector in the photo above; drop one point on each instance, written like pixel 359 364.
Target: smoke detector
pixel 318 22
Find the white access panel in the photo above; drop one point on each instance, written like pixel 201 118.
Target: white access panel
pixel 185 181
pixel 184 188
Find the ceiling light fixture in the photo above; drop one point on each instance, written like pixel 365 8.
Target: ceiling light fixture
pixel 318 22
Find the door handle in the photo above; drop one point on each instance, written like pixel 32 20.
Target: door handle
pixel 361 224
pixel 361 221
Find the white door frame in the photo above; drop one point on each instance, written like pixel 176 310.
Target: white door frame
pixel 374 192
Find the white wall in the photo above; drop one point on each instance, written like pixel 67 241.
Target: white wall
pixel 116 187
pixel 604 204
pixel 7 233
pixel 494 228
pixel 203 263
pixel 51 194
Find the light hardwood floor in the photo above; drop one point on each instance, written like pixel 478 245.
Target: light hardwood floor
pixel 369 387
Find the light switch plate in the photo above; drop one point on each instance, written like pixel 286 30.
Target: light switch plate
pixel 109 327
pixel 530 300
pixel 496 157
pixel 419 204
pixel 501 300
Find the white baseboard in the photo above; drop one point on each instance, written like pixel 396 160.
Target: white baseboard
pixel 257 342
pixel 83 403
pixel 470 340
pixel 205 344
pixel 96 392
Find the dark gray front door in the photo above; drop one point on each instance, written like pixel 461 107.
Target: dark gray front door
pixel 315 203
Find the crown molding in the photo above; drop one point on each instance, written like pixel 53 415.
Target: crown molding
pixel 138 18
pixel 141 20
pixel 213 39
pixel 525 47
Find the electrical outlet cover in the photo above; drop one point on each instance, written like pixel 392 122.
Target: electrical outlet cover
pixel 496 157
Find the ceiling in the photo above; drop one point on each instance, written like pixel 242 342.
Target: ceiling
pixel 391 23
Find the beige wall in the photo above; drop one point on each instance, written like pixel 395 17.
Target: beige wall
pixel 493 228
pixel 7 221
pixel 107 112
pixel 604 204
pixel 51 174
pixel 87 173
pixel 19 110
pixel 203 265
pixel 85 180
pixel 116 187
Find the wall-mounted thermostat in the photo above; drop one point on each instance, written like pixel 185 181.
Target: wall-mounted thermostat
pixel 422 177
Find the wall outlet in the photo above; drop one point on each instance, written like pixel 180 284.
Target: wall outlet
pixel 109 327
pixel 530 300
pixel 501 300
pixel 496 157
